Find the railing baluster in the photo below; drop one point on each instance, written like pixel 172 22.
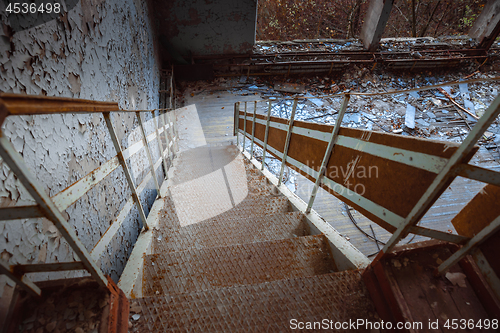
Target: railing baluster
pixel 328 152
pixel 287 142
pixel 16 163
pixel 167 140
pixel 165 135
pixel 171 125
pixel 160 144
pixel 253 128
pixel 444 175
pixel 267 134
pixel 237 122
pixel 245 126
pixel 126 171
pixel 23 281
pixel 148 152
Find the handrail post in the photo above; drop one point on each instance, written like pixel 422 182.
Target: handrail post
pixel 126 171
pixel 172 132
pixel 253 128
pixel 16 163
pixel 148 152
pixel 287 142
pixel 167 140
pixel 245 127
pixel 165 135
pixel 471 243
pixel 21 280
pixel 328 152
pixel 267 134
pixel 160 144
pixel 444 175
pixel 236 131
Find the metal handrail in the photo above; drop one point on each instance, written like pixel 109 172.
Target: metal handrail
pixel 52 207
pixel 452 169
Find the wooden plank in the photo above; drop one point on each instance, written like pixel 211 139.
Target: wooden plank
pixel 387 289
pixel 412 291
pixel 435 289
pixel 398 295
pixel 466 300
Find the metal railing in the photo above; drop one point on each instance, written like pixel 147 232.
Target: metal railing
pixel 53 207
pixel 443 168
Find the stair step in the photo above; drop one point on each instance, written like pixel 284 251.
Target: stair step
pixel 197 270
pixel 225 232
pixel 252 206
pixel 270 306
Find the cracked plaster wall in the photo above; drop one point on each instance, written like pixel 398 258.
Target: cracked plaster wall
pixel 206 27
pixel 100 50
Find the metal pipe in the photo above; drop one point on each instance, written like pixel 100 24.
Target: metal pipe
pixel 22 280
pixel 236 130
pixel 265 137
pixel 148 153
pixel 160 144
pixel 244 127
pixel 126 171
pixel 449 170
pixel 165 135
pixel 16 163
pixel 253 128
pixel 476 240
pixel 287 142
pixel 328 152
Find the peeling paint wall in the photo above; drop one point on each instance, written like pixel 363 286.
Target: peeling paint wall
pixel 206 27
pixel 94 49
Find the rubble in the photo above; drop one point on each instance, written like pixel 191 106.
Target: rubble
pixel 433 114
pixel 67 309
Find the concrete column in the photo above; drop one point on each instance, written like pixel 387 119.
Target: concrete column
pixel 487 25
pixel 375 21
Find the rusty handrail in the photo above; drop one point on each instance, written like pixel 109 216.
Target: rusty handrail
pixel 51 207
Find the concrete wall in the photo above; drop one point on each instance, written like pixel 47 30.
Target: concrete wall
pixel 100 50
pixel 205 27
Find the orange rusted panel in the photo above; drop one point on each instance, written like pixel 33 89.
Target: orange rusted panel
pixel 391 184
pixel 479 212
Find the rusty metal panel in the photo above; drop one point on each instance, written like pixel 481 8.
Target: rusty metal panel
pixel 479 212
pixel 393 178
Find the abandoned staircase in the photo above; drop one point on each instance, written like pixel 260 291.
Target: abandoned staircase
pixel 255 267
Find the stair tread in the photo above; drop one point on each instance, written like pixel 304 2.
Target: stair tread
pixel 222 232
pixel 203 269
pixel 271 305
pixel 252 206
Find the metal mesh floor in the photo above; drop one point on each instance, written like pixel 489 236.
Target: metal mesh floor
pixel 230 257
pixel 231 232
pixel 265 307
pixel 197 270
